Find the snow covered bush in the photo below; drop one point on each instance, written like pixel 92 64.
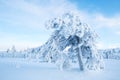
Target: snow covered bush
pixel 77 37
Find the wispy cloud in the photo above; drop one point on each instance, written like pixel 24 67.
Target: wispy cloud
pixel 28 15
pixel 113 45
pixel 111 22
pixel 118 32
pixel 32 14
pixel 100 20
pixel 35 13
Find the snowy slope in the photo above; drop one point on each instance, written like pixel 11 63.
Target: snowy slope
pixel 21 69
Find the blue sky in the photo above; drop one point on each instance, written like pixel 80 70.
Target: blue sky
pixel 22 21
pixel 106 7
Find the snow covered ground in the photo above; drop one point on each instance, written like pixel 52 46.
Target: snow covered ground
pixel 20 69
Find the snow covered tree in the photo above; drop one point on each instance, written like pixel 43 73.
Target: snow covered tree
pixel 13 49
pixel 8 50
pixel 71 37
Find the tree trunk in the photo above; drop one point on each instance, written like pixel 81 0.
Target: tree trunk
pixel 80 58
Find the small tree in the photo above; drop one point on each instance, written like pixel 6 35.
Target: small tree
pixel 13 49
pixel 70 32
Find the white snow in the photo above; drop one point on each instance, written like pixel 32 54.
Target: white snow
pixel 21 69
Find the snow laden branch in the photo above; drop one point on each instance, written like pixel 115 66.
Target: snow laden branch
pixel 72 40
